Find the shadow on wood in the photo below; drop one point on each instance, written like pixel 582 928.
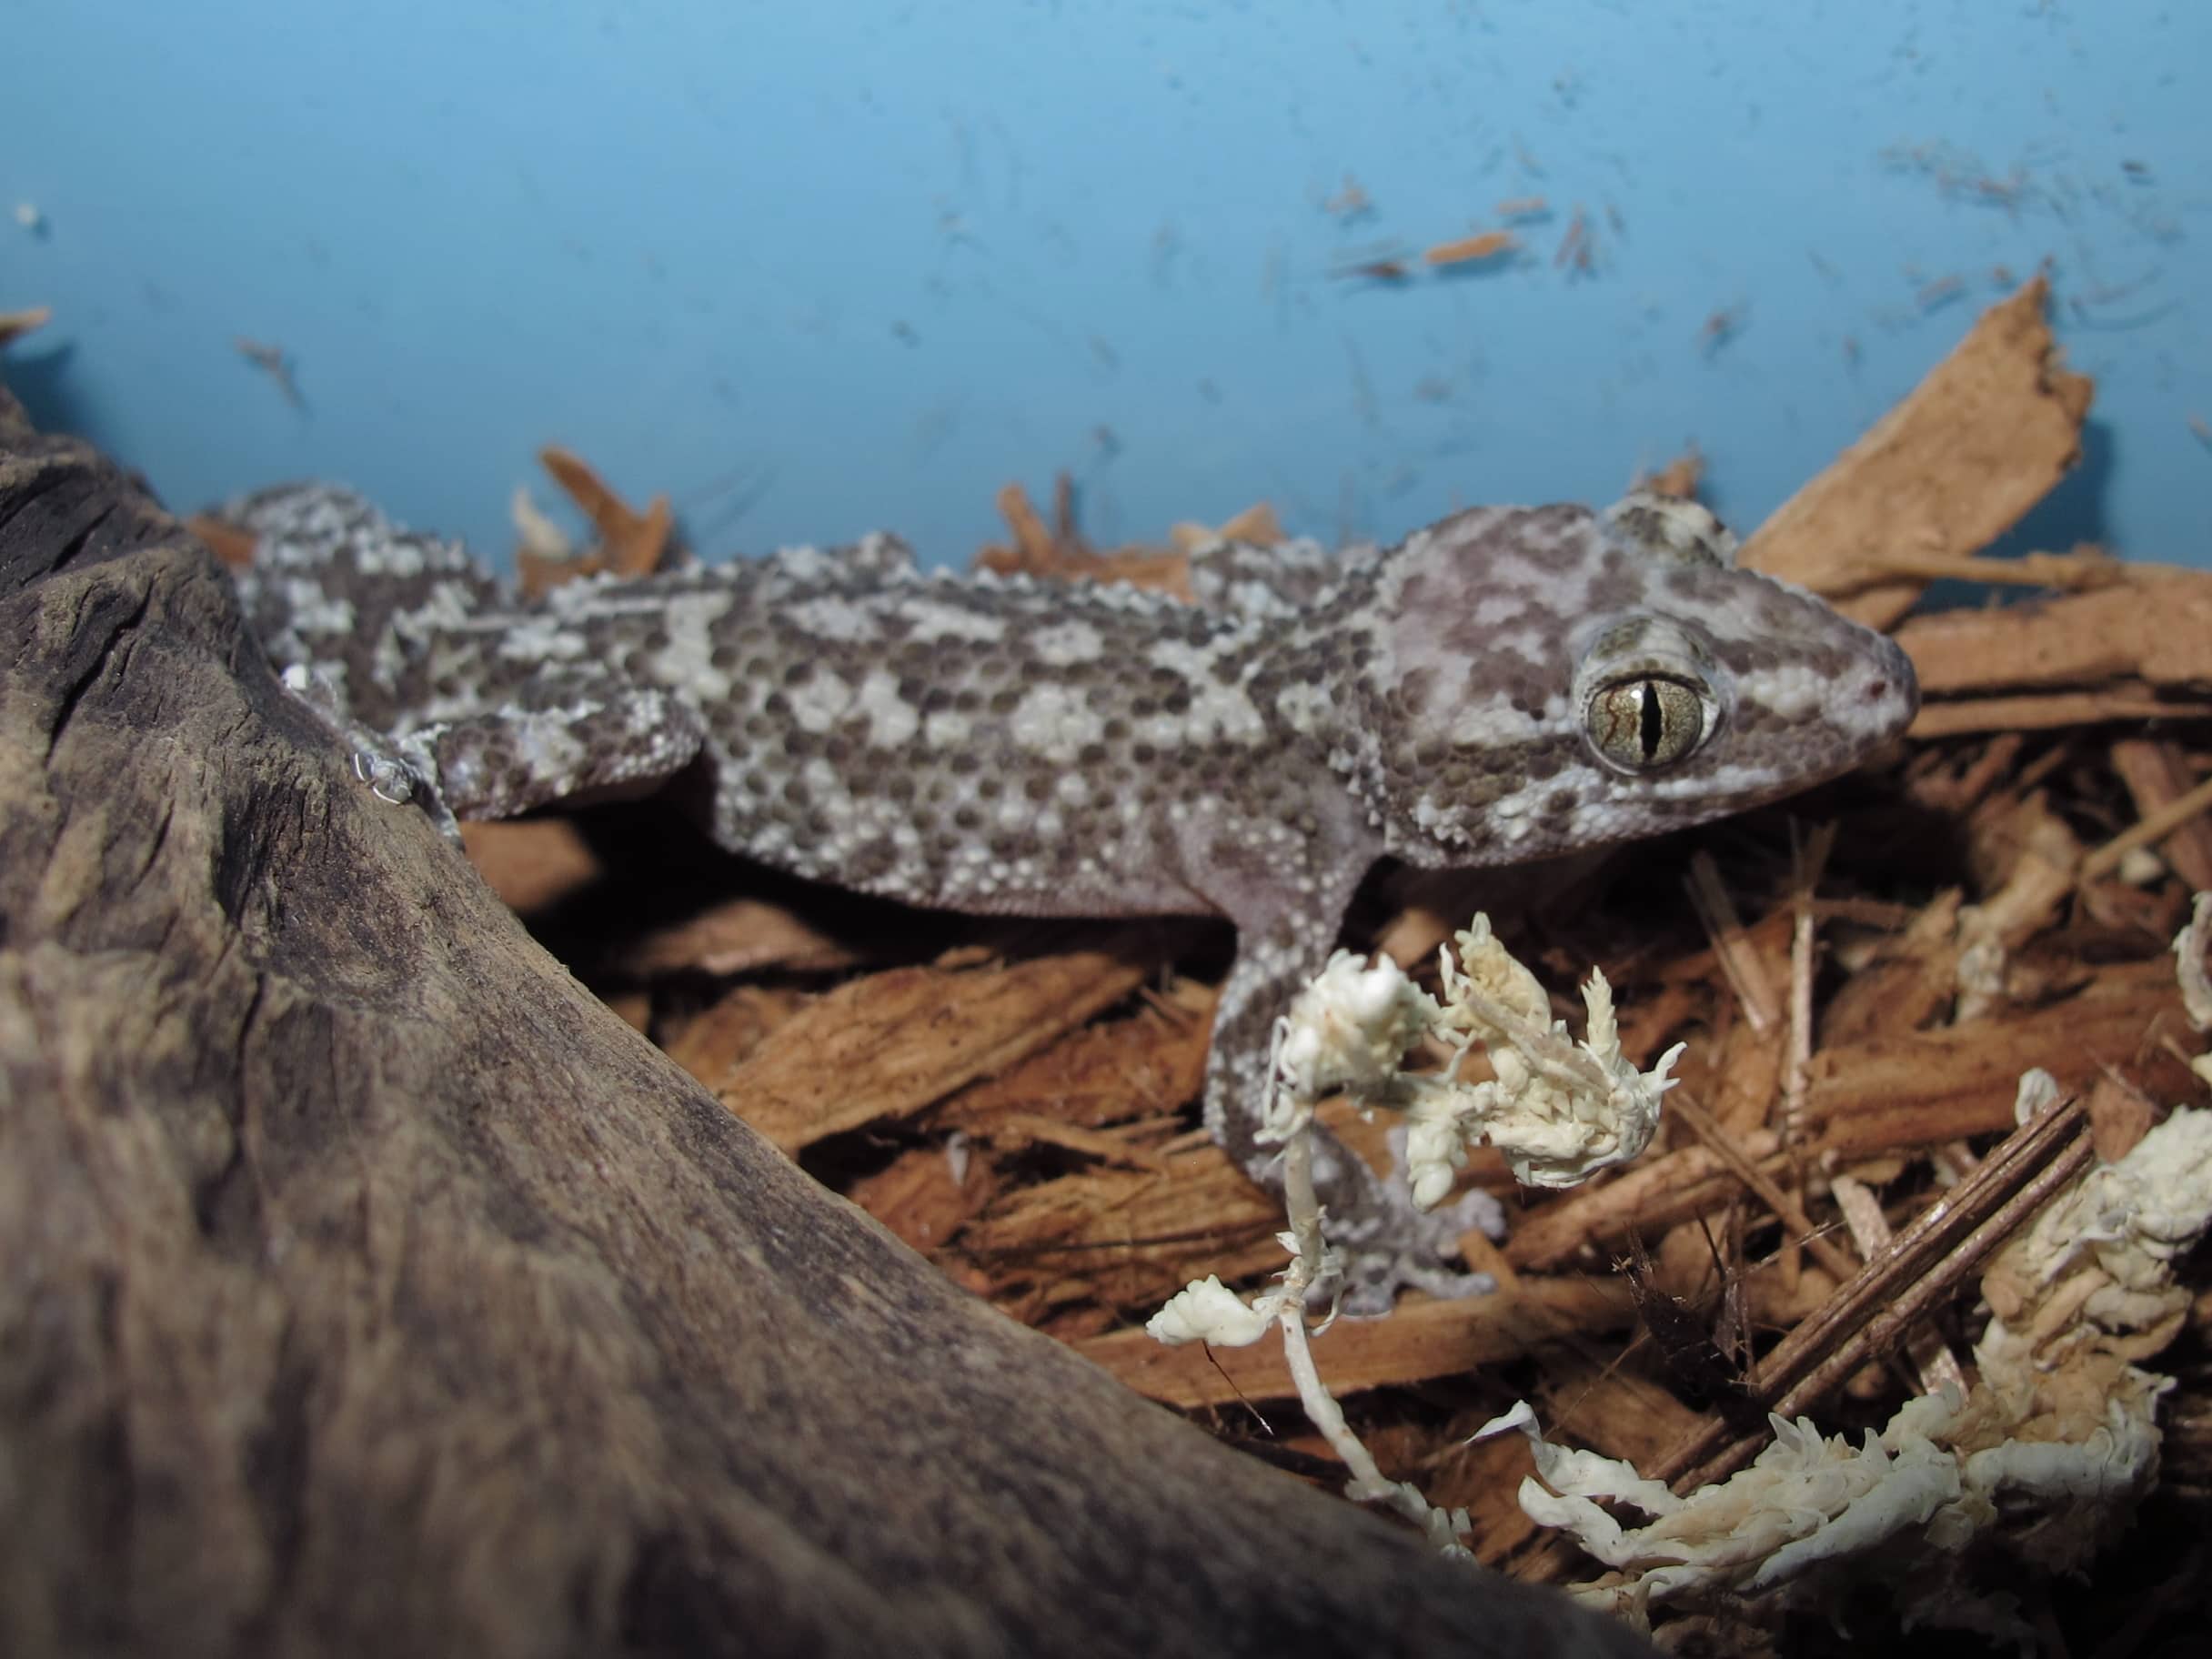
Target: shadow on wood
pixel 365 1287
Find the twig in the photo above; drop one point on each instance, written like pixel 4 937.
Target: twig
pixel 2074 572
pixel 2155 827
pixel 1030 535
pixel 1747 974
pixel 1473 250
pixel 1963 716
pixel 1812 860
pixel 1701 1123
pixel 1918 1257
pixel 2156 774
pixel 1936 1366
pixel 15 324
pixel 1884 1333
pixel 1808 859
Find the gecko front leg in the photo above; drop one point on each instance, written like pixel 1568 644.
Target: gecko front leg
pixel 1385 1241
pixel 397 771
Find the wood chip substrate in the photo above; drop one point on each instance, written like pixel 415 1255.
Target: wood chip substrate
pixel 1861 975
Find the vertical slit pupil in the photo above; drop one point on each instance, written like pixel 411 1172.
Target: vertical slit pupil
pixel 1652 721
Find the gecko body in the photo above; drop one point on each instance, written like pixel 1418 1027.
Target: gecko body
pixel 1506 685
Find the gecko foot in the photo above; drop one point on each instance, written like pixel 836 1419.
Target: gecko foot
pixel 397 771
pixel 1385 1243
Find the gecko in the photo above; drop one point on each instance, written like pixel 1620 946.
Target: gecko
pixel 1509 684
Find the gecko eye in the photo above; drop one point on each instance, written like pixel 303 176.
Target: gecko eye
pixel 1641 723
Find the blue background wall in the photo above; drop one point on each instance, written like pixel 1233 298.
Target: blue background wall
pixel 818 268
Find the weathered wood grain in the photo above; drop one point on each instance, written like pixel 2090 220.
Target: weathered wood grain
pixel 365 1287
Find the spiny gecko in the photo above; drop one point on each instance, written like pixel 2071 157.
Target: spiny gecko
pixel 1505 686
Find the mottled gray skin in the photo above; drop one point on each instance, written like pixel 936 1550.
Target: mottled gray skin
pixel 1505 686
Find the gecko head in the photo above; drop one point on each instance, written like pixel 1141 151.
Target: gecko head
pixel 1547 679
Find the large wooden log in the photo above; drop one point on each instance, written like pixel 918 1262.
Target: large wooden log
pixel 366 1288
